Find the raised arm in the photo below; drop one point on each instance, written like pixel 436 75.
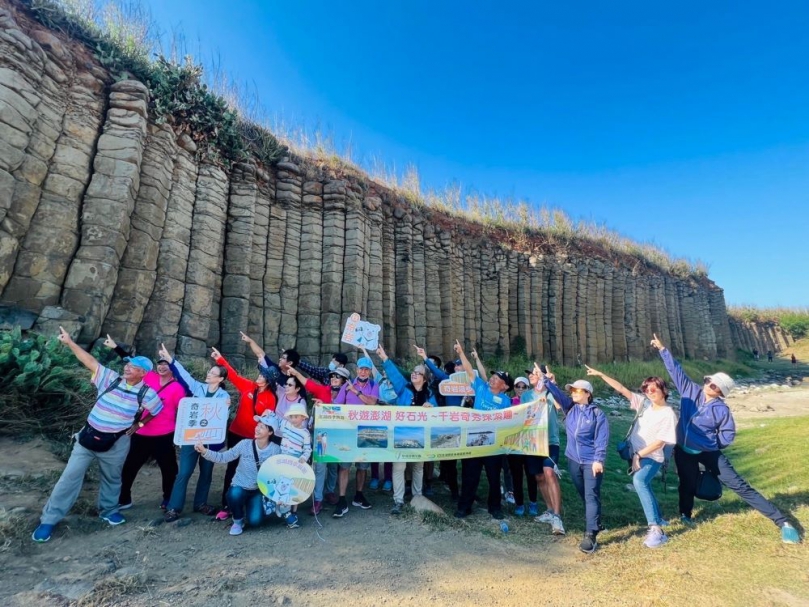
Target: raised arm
pixel 479 364
pixel 467 366
pixel 439 373
pixel 110 343
pixel 320 374
pixel 242 383
pixel 180 374
pixel 395 376
pixel 612 383
pixel 559 396
pixel 685 386
pixel 254 347
pixel 85 358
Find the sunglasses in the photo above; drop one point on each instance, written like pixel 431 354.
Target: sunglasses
pixel 711 385
pixel 520 387
pixel 292 385
pixel 576 390
pixel 416 373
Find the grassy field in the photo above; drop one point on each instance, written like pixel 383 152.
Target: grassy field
pixel 733 556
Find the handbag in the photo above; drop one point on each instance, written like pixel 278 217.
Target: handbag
pixel 624 447
pixel 98 441
pixel 709 488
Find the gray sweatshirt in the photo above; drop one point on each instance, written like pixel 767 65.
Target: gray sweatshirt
pixel 246 471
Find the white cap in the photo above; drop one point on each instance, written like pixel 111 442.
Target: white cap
pixel 581 383
pixel 523 380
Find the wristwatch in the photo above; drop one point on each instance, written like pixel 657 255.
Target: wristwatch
pixel 141 424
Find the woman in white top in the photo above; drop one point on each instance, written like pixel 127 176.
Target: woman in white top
pixel 654 429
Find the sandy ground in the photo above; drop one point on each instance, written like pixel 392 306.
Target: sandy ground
pixel 366 559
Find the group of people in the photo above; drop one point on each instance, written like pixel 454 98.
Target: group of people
pixel 134 416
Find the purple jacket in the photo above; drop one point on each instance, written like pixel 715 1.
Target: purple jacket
pixel 588 431
pixel 703 426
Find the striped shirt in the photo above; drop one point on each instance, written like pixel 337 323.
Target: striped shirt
pixel 296 442
pixel 115 411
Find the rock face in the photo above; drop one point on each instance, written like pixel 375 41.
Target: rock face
pixel 132 230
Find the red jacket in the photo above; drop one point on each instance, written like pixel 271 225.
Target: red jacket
pixel 243 424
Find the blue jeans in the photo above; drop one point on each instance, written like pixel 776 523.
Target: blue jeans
pixel 642 480
pixel 240 499
pixel 325 478
pixel 188 461
pixel 589 487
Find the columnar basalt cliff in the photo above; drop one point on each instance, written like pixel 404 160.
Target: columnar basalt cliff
pixel 112 220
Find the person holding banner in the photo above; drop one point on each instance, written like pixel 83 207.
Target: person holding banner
pixel 325 474
pixel 588 434
pixel 547 475
pixel 654 429
pixel 189 457
pixel 415 393
pixel 524 465
pixel 362 391
pixel 488 396
pixel 448 467
pixel 104 438
pixel 154 436
pixel 255 399
pixel 243 496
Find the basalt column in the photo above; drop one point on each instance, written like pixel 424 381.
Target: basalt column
pixel 32 78
pixel 448 291
pixel 235 304
pixel 309 296
pixel 107 207
pixel 388 274
pixel 136 278
pixel 419 281
pixel 273 276
pixel 355 263
pixel 432 303
pixel 50 242
pixel 258 264
pixel 374 304
pixel 204 260
pixel 405 315
pixel 331 293
pixel 289 193
pixel 161 319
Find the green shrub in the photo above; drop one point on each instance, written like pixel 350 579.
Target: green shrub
pixel 42 385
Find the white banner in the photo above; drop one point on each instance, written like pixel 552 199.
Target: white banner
pixel 201 420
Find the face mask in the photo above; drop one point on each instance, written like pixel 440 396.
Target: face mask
pixel 363 379
pixel 332 366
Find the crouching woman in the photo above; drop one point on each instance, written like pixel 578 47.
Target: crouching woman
pixel 243 496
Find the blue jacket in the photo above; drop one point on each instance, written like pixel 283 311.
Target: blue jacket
pixel 404 392
pixel 588 431
pixel 703 426
pixel 440 375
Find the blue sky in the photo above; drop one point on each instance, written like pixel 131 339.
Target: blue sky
pixel 685 124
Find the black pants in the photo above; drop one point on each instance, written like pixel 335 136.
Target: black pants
pixel 232 441
pixel 141 448
pixel 518 464
pixel 470 479
pixel 449 474
pixel 716 462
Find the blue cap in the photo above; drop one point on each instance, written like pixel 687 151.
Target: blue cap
pixel 140 361
pixel 365 363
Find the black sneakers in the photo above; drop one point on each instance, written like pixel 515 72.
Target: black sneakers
pixel 361 502
pixel 341 509
pixel 588 544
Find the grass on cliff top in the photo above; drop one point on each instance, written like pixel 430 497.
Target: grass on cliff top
pixel 793 320
pixel 229 124
pixel 734 556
